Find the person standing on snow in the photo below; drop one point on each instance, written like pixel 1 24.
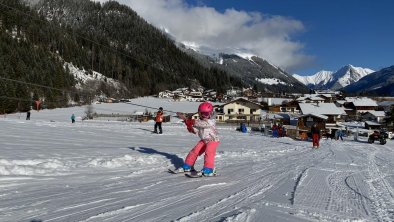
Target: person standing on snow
pixel 315 135
pixel 339 134
pixel 209 140
pixel 275 132
pixel 158 120
pixel 73 118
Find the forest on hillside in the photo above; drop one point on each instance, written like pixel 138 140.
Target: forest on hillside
pixel 111 39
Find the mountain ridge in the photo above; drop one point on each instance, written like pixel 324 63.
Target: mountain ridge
pixel 379 83
pixel 343 77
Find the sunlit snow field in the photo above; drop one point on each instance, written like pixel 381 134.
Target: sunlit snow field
pixel 52 170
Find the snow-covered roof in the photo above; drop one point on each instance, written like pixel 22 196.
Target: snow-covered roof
pixel 364 101
pixel 341 102
pixel 314 97
pixel 316 115
pixel 377 113
pixel 371 123
pixel 321 108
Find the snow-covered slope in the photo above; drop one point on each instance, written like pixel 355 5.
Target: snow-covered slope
pixel 53 170
pixel 334 80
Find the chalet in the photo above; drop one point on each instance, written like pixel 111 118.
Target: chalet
pixel 386 105
pixel 241 110
pixel 290 107
pixel 330 110
pixel 376 116
pixel 306 121
pixel 371 125
pixel 360 105
pixel 166 94
pixel 311 98
pixel 248 92
pixel 194 97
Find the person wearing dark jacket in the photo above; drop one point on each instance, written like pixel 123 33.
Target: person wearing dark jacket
pixel 315 136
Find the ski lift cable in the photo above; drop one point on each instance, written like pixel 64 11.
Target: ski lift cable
pixel 62 90
pixel 135 104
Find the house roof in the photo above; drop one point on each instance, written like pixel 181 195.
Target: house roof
pixel 371 123
pixel 363 101
pixel 243 100
pixel 315 115
pixel 321 109
pixel 377 113
pixel 315 97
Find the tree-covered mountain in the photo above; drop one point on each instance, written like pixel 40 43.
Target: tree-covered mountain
pixel 123 46
pixel 26 61
pixel 254 71
pixel 110 39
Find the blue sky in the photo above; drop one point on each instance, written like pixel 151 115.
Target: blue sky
pixel 337 32
pixel 300 36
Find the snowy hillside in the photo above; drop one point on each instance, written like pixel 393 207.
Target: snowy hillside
pixel 52 170
pixel 334 80
pixel 82 77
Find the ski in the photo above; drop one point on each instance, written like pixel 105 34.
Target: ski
pixel 198 174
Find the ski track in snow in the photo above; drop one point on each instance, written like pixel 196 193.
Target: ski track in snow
pixel 99 171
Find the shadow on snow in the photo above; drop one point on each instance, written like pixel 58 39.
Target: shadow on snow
pixel 175 160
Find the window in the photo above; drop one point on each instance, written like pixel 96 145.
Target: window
pixel 241 111
pixel 229 111
pixel 252 111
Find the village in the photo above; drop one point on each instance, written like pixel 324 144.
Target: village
pixel 294 113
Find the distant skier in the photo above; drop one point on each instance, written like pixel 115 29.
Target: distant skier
pixel 73 118
pixel 275 131
pixel 315 135
pixel 206 126
pixel 339 134
pixel 158 120
pixel 28 115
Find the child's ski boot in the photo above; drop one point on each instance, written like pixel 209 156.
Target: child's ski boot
pixel 184 169
pixel 208 172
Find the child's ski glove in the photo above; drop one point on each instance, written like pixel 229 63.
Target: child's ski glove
pixel 189 124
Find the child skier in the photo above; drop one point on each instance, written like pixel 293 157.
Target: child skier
pixel 206 126
pixel 158 120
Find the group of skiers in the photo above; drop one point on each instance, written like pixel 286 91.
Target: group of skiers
pixel 278 130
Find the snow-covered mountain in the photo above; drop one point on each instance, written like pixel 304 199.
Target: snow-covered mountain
pixel 322 77
pixel 378 83
pixel 334 80
pixel 252 70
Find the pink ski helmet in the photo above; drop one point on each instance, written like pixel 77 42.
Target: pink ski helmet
pixel 205 109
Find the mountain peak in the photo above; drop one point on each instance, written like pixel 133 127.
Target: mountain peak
pixel 335 80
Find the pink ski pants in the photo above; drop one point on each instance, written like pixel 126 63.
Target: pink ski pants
pixel 210 151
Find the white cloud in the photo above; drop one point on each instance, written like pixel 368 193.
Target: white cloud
pixel 249 32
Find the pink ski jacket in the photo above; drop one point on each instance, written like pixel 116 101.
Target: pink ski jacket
pixel 206 130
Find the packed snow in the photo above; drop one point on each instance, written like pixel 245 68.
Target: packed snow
pixel 53 170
